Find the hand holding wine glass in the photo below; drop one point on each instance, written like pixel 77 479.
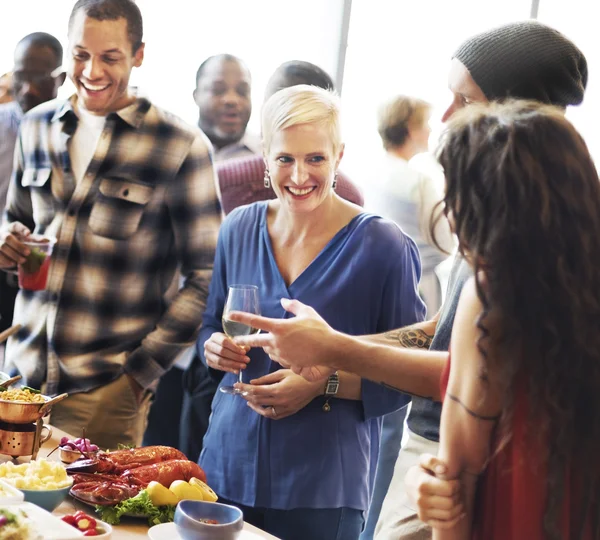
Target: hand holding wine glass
pixel 239 298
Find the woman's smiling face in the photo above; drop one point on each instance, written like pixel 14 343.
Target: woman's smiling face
pixel 302 163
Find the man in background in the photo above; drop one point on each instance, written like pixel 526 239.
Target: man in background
pixel 222 93
pixel 34 81
pixel 223 96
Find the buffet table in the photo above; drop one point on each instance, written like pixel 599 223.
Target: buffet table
pixel 129 528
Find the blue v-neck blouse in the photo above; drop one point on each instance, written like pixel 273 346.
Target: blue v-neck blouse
pixel 363 282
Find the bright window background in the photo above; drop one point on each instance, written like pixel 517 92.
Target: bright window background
pixel 577 19
pixel 400 46
pixel 404 47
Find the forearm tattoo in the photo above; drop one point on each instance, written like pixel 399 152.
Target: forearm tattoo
pixel 472 413
pixel 414 338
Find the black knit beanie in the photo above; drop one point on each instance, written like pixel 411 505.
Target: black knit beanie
pixel 526 60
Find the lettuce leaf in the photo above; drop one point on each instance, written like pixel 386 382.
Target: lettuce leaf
pixel 139 505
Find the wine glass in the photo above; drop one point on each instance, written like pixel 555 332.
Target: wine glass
pixel 239 298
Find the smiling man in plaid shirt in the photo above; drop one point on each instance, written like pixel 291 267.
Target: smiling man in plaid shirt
pixel 129 192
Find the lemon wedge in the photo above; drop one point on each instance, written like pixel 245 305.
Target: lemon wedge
pixel 160 495
pixel 209 494
pixel 183 490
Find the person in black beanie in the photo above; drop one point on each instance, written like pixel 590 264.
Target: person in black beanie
pixel 522 60
pixel 526 60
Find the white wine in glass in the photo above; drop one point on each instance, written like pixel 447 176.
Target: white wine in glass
pixel 239 298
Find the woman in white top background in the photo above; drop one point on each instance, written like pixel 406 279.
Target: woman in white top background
pixel 405 194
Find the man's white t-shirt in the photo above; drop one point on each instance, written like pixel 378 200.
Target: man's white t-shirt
pixel 84 141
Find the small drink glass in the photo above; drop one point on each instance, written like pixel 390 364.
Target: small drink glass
pixel 239 298
pixel 33 273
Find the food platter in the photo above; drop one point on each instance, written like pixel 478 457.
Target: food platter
pixel 53 528
pixel 143 483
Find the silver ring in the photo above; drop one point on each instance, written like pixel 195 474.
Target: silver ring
pixel 274 412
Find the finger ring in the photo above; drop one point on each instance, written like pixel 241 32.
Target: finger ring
pixel 274 412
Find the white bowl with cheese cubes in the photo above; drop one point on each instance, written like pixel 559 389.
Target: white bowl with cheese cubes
pixel 44 483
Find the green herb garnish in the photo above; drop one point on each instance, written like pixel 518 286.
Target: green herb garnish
pixel 34 261
pixel 10 517
pixel 121 446
pixel 139 505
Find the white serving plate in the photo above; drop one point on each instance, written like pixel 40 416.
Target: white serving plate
pixel 12 494
pixel 168 531
pixel 48 526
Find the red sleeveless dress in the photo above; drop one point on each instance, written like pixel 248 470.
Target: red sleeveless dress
pixel 510 499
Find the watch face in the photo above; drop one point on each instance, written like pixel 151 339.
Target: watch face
pixel 333 384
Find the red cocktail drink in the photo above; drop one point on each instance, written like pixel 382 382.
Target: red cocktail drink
pixel 33 273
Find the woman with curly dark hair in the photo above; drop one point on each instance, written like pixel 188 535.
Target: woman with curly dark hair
pixel 520 418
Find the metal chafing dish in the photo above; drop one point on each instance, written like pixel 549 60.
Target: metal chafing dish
pixel 21 424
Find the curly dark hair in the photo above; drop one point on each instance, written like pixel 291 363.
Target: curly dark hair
pixel 523 195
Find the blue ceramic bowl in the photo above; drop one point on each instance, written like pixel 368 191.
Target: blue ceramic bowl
pixel 48 499
pixel 188 514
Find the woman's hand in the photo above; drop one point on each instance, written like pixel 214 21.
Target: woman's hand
pixel 438 501
pixel 280 394
pixel 223 354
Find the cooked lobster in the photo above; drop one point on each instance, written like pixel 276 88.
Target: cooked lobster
pixel 106 489
pixel 119 461
pixel 104 493
pixel 164 473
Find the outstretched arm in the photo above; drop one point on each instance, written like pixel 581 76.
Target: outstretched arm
pixel 311 348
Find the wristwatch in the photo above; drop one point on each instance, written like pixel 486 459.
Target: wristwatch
pixel 331 389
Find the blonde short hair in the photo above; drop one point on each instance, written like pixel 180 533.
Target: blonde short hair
pixel 301 104
pixel 397 116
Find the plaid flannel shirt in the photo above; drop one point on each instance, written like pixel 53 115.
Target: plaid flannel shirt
pixel 146 206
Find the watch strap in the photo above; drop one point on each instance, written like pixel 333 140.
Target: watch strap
pixel 331 389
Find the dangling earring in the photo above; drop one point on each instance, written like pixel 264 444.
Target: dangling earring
pixel 335 178
pixel 267 179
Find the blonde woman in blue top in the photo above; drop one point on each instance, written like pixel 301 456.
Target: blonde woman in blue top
pixel 296 469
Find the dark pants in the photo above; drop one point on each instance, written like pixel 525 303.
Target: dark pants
pixel 305 523
pixel 165 411
pixel 199 387
pixel 8 293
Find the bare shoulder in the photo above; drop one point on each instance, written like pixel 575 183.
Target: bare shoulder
pixel 465 330
pixel 469 307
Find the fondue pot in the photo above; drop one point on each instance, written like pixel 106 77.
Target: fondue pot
pixel 21 425
pixel 23 439
pixel 24 412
